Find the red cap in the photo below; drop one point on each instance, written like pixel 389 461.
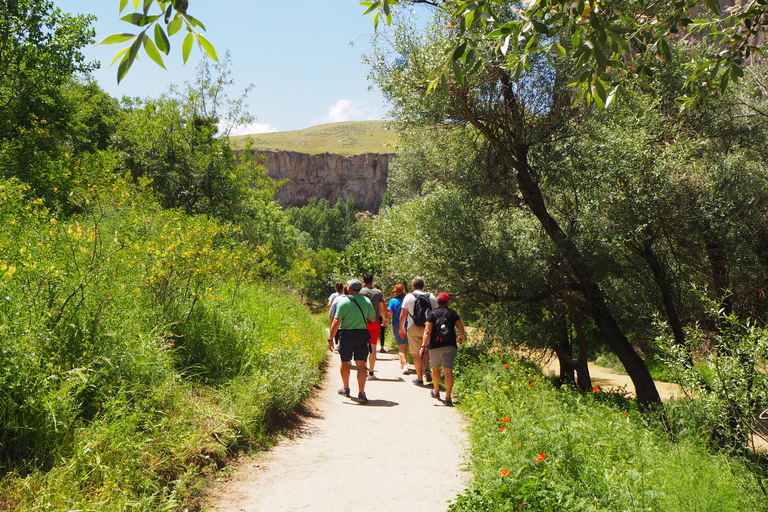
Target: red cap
pixel 443 297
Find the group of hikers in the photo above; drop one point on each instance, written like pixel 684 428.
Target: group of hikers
pixel 420 322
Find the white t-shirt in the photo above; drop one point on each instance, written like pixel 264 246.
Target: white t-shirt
pixel 332 298
pixel 410 300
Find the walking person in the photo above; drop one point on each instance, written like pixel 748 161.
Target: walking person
pixel 338 290
pixel 383 331
pixel 377 300
pixel 440 338
pixel 393 312
pixel 351 319
pixel 333 342
pixel 414 310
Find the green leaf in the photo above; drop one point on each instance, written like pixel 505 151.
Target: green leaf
pixel 151 50
pixel 559 48
pixel 119 54
pixel 139 19
pixel 123 4
pixel 186 46
pixel 372 6
pixel 714 6
pixel 175 25
pixel 208 47
pixel 117 38
pixel 459 51
pixel 540 27
pixel 124 66
pixel 193 21
pixel 147 5
pixel 444 83
pixel 161 40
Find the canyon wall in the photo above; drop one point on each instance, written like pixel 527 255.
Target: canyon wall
pixel 328 176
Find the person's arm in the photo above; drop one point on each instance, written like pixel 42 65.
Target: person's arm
pixel 403 315
pixel 427 334
pixel 460 326
pixel 335 327
pixel 384 313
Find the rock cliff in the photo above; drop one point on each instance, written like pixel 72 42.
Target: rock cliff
pixel 329 176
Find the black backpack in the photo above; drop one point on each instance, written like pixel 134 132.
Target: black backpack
pixel 443 329
pixel 421 309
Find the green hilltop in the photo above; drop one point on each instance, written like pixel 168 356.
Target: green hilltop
pixel 350 138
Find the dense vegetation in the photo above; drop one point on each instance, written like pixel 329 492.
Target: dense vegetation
pixel 145 331
pixel 144 340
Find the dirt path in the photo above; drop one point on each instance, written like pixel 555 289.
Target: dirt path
pixel 403 450
pixel 608 379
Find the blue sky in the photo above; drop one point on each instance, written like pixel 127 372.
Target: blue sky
pixel 295 52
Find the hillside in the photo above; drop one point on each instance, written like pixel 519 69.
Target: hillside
pixel 350 138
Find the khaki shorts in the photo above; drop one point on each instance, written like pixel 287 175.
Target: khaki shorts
pixel 415 336
pixel 442 356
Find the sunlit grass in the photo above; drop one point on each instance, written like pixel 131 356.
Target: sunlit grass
pixel 350 138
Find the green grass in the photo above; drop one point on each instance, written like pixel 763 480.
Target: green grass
pixel 351 138
pixel 543 448
pixel 138 350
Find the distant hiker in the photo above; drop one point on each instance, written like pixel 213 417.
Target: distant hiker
pixel 339 287
pixel 393 312
pixel 377 300
pixel 414 310
pixel 440 338
pixel 383 321
pixel 333 342
pixel 350 318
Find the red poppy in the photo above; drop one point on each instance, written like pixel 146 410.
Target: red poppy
pixel 504 472
pixel 503 429
pixel 596 389
pixel 541 457
pixel 522 505
pixel 625 415
pixel 506 367
pixel 531 383
pixel 505 420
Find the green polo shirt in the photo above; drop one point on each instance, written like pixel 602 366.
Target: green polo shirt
pixel 349 314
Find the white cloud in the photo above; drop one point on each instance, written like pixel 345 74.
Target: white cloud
pixel 347 110
pixel 248 129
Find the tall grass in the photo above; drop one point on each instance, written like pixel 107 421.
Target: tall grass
pixel 138 351
pixel 537 447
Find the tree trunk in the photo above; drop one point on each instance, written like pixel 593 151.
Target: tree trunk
pixel 647 254
pixel 515 152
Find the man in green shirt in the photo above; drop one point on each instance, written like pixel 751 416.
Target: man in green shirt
pixel 351 319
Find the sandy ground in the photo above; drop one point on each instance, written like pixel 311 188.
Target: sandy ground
pixel 609 380
pixel 403 450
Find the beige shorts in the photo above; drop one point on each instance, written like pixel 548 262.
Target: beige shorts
pixel 415 337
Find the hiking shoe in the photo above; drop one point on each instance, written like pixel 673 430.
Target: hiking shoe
pixel 427 376
pixel 344 391
pixel 435 395
pixel 371 376
pixel 449 402
pixel 406 371
pixel 362 398
pixel 418 382
pixel 383 350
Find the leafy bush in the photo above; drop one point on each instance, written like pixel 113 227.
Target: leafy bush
pixel 545 448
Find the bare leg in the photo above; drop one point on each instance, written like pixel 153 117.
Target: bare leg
pixel 448 381
pixel 401 351
pixel 362 374
pixel 436 380
pixel 345 374
pixel 372 357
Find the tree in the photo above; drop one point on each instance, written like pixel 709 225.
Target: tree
pixel 612 192
pixel 173 14
pixel 612 42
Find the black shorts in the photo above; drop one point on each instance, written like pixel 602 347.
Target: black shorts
pixel 353 344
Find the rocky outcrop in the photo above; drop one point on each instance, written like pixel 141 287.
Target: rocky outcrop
pixel 329 176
